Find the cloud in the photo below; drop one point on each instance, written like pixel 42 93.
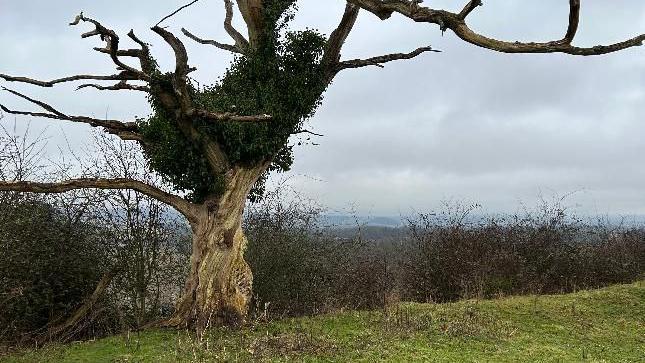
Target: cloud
pixel 464 123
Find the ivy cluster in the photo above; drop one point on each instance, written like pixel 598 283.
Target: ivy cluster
pixel 281 77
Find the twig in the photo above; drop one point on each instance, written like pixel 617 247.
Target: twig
pixel 175 12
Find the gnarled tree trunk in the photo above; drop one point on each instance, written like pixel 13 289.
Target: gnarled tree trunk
pixel 218 289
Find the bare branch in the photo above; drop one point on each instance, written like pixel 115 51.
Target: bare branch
pixel 147 63
pixel 63 331
pixel 175 12
pixel 380 60
pixel 305 131
pixel 181 66
pixel 125 130
pixel 136 53
pixel 181 56
pixel 34 101
pixel 228 47
pixel 116 87
pixel 126 75
pixel 574 20
pixel 123 76
pixel 182 205
pixel 112 44
pixel 455 22
pixel 337 39
pixel 227 116
pixel 240 42
pixel 142 44
pixel 472 5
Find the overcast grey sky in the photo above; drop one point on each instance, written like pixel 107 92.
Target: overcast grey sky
pixel 466 123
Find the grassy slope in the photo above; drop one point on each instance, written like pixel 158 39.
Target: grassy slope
pixel 605 325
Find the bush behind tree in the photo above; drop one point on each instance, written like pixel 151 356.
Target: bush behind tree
pixel 48 265
pixel 304 267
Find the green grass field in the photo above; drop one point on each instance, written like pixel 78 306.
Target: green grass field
pixel 606 325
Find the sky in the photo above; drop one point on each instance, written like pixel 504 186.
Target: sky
pixel 465 124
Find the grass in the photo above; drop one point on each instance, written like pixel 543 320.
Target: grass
pixel 606 325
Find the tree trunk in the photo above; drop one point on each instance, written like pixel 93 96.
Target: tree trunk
pixel 218 289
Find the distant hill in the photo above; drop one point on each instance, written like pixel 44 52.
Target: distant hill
pixel 347 221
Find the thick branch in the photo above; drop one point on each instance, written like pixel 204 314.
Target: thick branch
pixel 253 14
pixel 337 39
pixel 574 20
pixel 227 116
pixel 240 42
pixel 551 47
pixel 116 87
pixel 182 205
pixel 228 47
pixel 125 130
pixel 181 65
pixel 455 22
pixel 380 60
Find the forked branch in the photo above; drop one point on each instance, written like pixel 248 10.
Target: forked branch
pixel 241 44
pixel 240 41
pixel 182 69
pixel 331 58
pixel 457 23
pixel 180 85
pixel 181 101
pixel 337 39
pixel 126 73
pixel 112 44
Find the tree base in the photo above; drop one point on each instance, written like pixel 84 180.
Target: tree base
pixel 218 291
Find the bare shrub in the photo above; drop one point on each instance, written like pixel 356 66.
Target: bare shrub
pixel 454 254
pixel 301 268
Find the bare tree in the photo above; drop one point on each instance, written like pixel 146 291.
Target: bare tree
pixel 215 144
pixel 145 236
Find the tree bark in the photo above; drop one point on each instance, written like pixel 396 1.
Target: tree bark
pixel 218 289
